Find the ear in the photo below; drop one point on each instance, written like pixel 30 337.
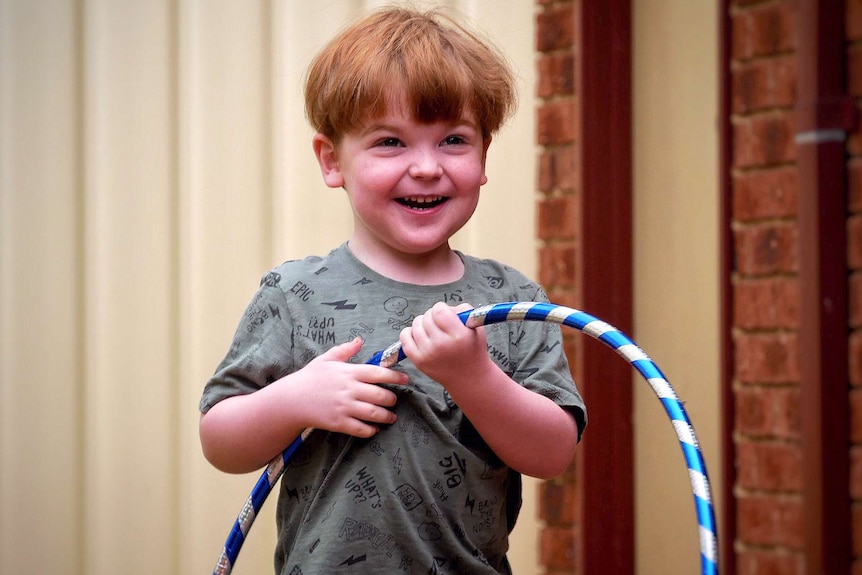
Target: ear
pixel 486 143
pixel 327 158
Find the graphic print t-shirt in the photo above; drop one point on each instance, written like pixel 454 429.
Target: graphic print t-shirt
pixel 426 494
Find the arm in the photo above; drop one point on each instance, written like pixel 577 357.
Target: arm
pixel 528 431
pixel 244 432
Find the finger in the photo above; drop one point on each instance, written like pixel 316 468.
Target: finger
pixel 377 374
pixel 358 428
pixel 376 395
pixel 462 307
pixel 344 351
pixel 378 414
pixel 445 319
pixel 419 329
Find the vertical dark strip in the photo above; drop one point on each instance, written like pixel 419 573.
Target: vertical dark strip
pixel 823 334
pixel 727 524
pixel 607 480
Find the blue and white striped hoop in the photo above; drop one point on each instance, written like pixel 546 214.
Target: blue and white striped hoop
pixel 529 311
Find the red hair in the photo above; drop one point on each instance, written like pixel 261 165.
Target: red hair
pixel 436 65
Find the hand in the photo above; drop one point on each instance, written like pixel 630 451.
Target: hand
pixel 344 397
pixel 443 348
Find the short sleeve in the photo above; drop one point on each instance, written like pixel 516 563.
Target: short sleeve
pixel 259 353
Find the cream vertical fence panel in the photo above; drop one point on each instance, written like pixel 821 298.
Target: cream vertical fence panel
pixel 154 163
pixel 225 243
pixel 40 289
pixel 300 30
pixel 130 275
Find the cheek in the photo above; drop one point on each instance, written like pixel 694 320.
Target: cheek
pixel 471 173
pixel 377 176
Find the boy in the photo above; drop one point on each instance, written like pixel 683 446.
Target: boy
pixel 415 468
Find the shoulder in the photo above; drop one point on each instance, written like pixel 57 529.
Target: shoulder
pixel 496 275
pixel 291 275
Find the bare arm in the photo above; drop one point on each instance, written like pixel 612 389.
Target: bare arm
pixel 529 432
pixel 243 433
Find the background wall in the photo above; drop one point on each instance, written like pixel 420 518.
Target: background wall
pixel 154 162
pixel 676 265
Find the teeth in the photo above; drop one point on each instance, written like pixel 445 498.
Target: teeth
pixel 421 202
pixel 423 199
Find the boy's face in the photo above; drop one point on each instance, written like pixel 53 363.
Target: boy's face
pixel 411 185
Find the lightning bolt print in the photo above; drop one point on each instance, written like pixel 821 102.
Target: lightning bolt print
pixel 548 348
pixel 341 304
pixel 470 503
pixel 353 560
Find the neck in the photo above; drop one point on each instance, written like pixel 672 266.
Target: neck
pixel 440 266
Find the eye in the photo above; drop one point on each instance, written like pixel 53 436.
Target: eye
pixel 453 140
pixel 389 142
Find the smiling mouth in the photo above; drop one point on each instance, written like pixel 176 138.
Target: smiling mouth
pixel 422 203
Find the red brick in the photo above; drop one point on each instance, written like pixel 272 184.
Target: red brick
pixel 557 502
pixel 854 139
pixel 764 140
pixel 565 296
pixel 557 548
pixel 766 303
pixel 557 218
pixel 743 3
pixel 856 472
pixel 769 466
pixel 766 249
pixel 556 75
pixel 856 522
pixel 853 20
pixel 763 84
pixel 557 122
pixel 770 520
pixel 545 171
pixel 854 185
pixel 768 413
pixel 761 194
pixel 763 30
pixel 855 359
pixel 555 28
pixel 856 415
pixel 557 266
pixel 854 298
pixel 854 242
pixel 769 562
pixel 854 71
pixel 558 168
pixel 767 358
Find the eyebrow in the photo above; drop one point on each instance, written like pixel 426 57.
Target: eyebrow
pixel 392 128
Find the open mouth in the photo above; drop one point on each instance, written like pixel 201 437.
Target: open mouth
pixel 422 202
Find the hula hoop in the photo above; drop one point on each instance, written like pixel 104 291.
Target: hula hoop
pixel 528 311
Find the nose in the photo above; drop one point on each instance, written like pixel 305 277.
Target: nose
pixel 425 165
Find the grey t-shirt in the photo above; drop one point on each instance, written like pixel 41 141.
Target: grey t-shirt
pixel 425 495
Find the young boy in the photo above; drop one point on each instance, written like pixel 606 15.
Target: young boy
pixel 416 468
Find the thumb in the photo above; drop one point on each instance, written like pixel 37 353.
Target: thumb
pixel 344 351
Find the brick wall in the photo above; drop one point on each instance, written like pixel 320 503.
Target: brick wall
pixel 765 289
pixel 556 227
pixel 765 296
